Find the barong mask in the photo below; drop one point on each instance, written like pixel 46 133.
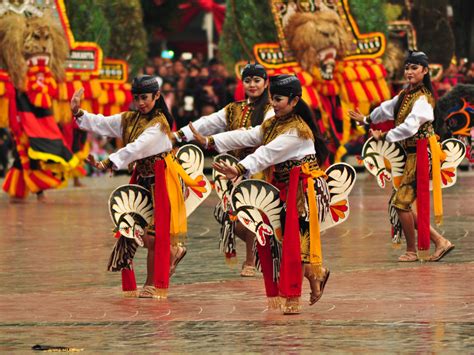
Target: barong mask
pixel 131 210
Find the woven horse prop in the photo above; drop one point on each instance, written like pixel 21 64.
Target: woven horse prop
pixel 386 161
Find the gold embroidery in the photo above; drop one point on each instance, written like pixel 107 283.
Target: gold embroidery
pixel 133 125
pixel 274 127
pixel 238 115
pixel 408 100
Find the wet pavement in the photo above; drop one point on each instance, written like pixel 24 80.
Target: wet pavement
pixel 54 288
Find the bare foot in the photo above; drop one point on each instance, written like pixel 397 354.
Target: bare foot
pixel 78 183
pixel 41 197
pixel 317 285
pixel 441 250
pixel 17 200
pixel 177 256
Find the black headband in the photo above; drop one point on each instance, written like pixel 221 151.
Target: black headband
pixel 254 70
pixel 285 85
pixel 417 58
pixel 145 84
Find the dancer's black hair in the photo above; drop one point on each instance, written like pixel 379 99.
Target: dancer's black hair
pixel 149 84
pixel 290 86
pixel 420 58
pixel 261 103
pixel 320 145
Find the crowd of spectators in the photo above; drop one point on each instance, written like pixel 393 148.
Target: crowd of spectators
pixel 192 88
pixel 458 72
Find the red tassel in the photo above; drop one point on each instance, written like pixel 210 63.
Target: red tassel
pixel 291 270
pixel 423 194
pixel 162 228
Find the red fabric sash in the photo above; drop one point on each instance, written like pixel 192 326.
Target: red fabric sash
pixel 291 270
pixel 162 228
pixel 129 282
pixel 423 194
pixel 266 262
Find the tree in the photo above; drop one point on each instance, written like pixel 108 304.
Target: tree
pixel 88 22
pixel 433 31
pixel 247 23
pixel 117 26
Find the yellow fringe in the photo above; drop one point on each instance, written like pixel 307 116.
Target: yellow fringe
pixel 231 262
pixel 130 294
pixel 423 255
pixel 178 239
pixel 397 245
pixel 274 302
pixel 160 293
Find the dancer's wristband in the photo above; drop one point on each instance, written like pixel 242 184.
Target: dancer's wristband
pixel 106 164
pixel 241 169
pixel 78 114
pixel 209 142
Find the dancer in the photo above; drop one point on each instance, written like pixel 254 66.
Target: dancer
pixel 412 111
pixel 289 143
pixel 237 115
pixel 148 150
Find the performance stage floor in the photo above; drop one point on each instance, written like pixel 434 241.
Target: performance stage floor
pixel 54 288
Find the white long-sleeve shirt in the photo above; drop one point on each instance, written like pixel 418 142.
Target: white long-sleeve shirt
pixel 212 124
pixel 151 142
pixel 287 146
pixel 421 113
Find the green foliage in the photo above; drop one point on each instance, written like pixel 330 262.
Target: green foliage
pixel 88 22
pixel 393 12
pixel 116 25
pixel 247 23
pixel 369 15
pixel 434 34
pixel 128 40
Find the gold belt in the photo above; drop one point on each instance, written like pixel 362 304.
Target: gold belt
pixel 146 166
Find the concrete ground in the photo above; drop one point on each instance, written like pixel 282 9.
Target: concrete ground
pixel 55 290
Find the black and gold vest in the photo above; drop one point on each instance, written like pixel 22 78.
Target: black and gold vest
pixel 133 125
pixel 406 100
pixel 273 127
pixel 238 115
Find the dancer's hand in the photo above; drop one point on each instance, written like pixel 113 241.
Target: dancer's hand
pixel 102 165
pixel 377 134
pixel 172 138
pixel 76 101
pixel 198 137
pixel 356 116
pixel 228 170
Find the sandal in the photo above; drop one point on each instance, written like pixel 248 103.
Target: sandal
pixel 408 257
pixel 441 252
pixel 247 271
pixel 292 306
pixel 147 292
pixel 314 297
pixel 178 260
